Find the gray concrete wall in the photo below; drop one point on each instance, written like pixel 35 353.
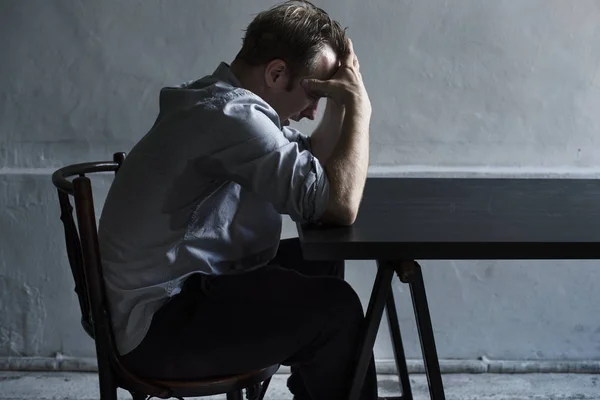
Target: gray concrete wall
pixel 458 87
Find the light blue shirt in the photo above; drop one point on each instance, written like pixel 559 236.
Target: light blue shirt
pixel 202 192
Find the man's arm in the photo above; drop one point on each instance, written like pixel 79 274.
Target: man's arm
pixel 326 135
pixel 347 165
pixel 247 147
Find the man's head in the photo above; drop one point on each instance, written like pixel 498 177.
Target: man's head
pixel 284 44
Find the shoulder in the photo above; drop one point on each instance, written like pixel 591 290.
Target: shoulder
pixel 243 113
pixel 243 104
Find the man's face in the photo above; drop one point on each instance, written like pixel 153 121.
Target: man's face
pixel 292 101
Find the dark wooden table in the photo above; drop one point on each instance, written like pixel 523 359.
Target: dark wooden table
pixel 407 219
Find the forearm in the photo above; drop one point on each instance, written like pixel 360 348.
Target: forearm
pixel 325 137
pixel 348 164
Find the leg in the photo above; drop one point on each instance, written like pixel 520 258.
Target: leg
pixel 233 324
pixel 237 395
pixel 381 290
pixel 253 392
pixel 289 256
pixel 392 316
pixel 410 272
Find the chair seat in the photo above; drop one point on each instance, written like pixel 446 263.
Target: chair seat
pixel 216 385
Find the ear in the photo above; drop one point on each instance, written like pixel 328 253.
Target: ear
pixel 276 74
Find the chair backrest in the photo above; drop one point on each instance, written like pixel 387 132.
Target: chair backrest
pixel 84 258
pixel 83 249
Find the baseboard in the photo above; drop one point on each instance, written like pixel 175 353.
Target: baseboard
pixel 384 367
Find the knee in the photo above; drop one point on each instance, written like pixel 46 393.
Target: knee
pixel 345 302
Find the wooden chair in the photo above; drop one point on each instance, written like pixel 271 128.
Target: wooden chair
pixel 84 258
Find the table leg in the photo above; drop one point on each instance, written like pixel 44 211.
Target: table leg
pixel 379 295
pixel 410 272
pixel 392 317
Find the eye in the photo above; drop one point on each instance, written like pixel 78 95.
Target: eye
pixel 312 96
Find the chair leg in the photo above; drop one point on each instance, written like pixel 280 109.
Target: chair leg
pixel 108 388
pixel 138 396
pixel 263 389
pixel 235 395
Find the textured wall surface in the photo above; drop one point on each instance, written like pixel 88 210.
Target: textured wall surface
pixel 458 87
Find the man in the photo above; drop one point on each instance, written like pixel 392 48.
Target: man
pixel 197 280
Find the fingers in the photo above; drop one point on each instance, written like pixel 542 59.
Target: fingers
pixel 348 58
pixel 322 88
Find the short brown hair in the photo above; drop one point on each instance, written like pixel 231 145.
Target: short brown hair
pixel 295 32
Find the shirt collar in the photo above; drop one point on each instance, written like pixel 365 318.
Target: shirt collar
pixel 224 73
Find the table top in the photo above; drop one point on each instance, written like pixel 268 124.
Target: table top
pixel 466 218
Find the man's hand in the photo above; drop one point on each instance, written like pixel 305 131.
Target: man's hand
pixel 346 87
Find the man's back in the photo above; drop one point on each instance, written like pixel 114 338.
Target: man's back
pixel 202 192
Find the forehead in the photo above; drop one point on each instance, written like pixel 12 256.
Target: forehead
pixel 327 64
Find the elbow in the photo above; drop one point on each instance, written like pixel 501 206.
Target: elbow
pixel 348 217
pixel 341 210
pixel 340 216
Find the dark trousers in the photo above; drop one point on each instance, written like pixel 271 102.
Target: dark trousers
pixel 294 312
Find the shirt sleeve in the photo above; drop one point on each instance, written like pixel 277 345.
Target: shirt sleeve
pixel 257 155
